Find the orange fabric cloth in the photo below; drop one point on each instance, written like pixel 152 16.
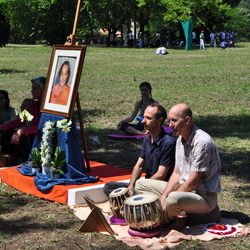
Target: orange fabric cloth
pixel 59 193
pixel 60 96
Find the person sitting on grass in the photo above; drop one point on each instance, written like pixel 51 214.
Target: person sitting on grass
pixel 161 50
pixel 7 113
pixel 17 136
pixel 26 103
pixel 225 44
pixel 141 105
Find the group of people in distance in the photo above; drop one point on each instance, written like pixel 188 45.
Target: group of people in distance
pixel 221 39
pixel 184 173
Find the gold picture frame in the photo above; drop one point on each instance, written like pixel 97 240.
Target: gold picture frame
pixel 61 88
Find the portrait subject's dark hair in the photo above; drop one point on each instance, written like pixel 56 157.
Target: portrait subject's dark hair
pixel 60 71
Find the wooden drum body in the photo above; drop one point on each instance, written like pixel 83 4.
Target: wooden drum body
pixel 143 211
pixel 116 199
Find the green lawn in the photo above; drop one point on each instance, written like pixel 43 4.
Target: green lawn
pixel 213 82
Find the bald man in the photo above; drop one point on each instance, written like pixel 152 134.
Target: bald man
pixel 195 182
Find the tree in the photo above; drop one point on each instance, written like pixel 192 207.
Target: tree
pixel 33 20
pixel 205 13
pixel 4 30
pixel 109 15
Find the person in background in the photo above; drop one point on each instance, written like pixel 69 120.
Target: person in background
pixel 212 40
pixel 225 44
pixel 157 153
pixel 217 38
pixel 222 35
pixel 182 43
pixel 157 39
pixel 194 37
pixel 17 136
pixel 234 34
pixel 7 113
pixel 140 106
pixel 26 103
pixel 148 39
pixel 130 39
pixel 161 50
pixel 168 39
pixel 202 43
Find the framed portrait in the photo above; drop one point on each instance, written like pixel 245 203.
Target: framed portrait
pixel 61 88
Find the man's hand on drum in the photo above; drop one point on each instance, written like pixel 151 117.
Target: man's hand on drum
pixel 163 201
pixel 131 190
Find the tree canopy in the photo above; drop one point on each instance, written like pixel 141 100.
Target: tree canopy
pixel 34 20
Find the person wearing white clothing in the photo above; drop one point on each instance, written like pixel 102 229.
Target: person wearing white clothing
pixel 202 44
pixel 161 50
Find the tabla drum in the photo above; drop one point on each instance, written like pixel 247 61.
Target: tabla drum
pixel 143 212
pixel 116 200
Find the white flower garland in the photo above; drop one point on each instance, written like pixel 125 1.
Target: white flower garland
pixel 48 131
pixel 46 147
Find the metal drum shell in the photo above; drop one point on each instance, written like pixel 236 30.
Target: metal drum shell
pixel 143 211
pixel 116 200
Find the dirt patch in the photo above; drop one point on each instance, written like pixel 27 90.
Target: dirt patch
pixel 28 222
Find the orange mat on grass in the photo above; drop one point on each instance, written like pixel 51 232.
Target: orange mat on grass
pixel 59 193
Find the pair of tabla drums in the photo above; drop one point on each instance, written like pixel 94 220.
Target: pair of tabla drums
pixel 142 212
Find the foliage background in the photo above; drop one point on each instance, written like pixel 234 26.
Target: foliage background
pixel 31 21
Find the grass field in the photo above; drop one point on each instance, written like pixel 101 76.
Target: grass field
pixel 213 82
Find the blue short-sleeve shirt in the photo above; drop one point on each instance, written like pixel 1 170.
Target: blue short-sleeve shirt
pixel 159 153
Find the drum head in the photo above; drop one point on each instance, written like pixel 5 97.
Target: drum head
pixel 140 199
pixel 118 192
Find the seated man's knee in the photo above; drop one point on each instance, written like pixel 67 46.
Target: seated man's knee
pixel 172 199
pixel 141 186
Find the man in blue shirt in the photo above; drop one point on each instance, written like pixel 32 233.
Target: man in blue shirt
pixel 157 154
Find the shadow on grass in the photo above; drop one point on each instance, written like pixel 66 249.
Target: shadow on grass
pixel 113 151
pixel 225 126
pixel 241 217
pixel 25 224
pixel 235 160
pixel 10 71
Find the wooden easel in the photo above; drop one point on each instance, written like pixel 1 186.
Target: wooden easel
pixel 71 41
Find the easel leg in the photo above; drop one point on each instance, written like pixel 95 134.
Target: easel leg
pixel 71 41
pixel 85 148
